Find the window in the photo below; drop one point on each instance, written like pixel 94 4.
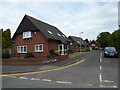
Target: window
pixel 39 48
pixel 63 48
pixel 78 41
pixel 27 34
pixel 63 35
pixel 49 32
pixel 22 49
pixel 58 34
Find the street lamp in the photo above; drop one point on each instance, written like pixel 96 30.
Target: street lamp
pixel 80 40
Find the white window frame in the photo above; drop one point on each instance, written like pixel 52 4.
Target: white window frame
pixel 27 34
pixel 38 46
pixel 21 51
pixel 63 49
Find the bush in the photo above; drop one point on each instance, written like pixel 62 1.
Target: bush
pixel 70 51
pixel 52 53
pixel 29 55
pixel 5 55
pixel 87 49
pixel 47 55
pixel 57 53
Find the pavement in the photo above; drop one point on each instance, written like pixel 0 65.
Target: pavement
pixel 7 69
pixel 93 71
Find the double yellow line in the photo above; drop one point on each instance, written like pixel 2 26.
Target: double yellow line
pixel 5 75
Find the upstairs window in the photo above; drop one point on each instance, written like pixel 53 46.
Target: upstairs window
pixel 39 48
pixel 27 34
pixel 49 32
pixel 58 34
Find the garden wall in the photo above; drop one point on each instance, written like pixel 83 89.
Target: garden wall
pixel 33 61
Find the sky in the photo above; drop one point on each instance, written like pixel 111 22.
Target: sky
pixel 71 18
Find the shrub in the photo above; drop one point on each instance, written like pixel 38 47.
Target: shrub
pixel 29 55
pixel 70 51
pixel 5 55
pixel 57 53
pixel 87 49
pixel 52 53
pixel 47 55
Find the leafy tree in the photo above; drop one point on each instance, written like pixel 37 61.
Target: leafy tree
pixel 6 39
pixel 103 39
pixel 87 41
pixel 114 39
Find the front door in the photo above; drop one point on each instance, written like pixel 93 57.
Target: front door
pixel 62 48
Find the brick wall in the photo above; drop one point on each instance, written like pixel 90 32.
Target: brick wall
pixel 37 38
pixel 32 61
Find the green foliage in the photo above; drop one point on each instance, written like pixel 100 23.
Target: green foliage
pixel 5 55
pixel 57 53
pixel 52 53
pixel 114 39
pixel 107 39
pixel 87 49
pixel 103 39
pixel 29 55
pixel 6 39
pixel 47 55
pixel 70 51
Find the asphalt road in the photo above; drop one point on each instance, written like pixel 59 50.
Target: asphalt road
pixel 94 71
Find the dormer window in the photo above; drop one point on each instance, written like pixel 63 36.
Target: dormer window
pixel 27 34
pixel 63 35
pixel 58 34
pixel 49 32
pixel 78 41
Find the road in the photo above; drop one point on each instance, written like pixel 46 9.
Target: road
pixel 92 71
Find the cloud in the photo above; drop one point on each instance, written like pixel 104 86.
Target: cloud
pixel 70 17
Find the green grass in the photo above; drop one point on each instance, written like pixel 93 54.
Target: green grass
pixel 74 55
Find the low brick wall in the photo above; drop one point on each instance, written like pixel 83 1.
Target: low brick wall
pixel 33 61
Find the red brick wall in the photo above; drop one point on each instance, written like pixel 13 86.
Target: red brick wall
pixel 53 45
pixel 37 38
pixel 32 61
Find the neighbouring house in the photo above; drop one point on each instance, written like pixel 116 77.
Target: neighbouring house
pixel 94 45
pixel 77 43
pixel 37 37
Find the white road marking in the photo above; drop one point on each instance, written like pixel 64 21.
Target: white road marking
pixel 64 82
pixel 107 81
pixel 90 84
pixel 12 76
pixel 101 55
pixel 35 79
pixel 100 67
pixel 100 59
pixel 23 77
pixel 48 80
pixel 108 86
pixel 100 77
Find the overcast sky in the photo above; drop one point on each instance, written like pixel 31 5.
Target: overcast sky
pixel 71 18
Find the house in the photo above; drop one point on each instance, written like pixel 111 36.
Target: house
pixel 77 43
pixel 94 45
pixel 37 37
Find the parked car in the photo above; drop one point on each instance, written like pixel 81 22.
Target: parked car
pixel 110 52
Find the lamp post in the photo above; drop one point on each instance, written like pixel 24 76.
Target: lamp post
pixel 80 40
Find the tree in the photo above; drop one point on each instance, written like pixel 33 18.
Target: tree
pixel 103 39
pixel 6 39
pixel 87 41
pixel 114 39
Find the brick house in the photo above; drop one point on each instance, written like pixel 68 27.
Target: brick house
pixel 94 45
pixel 77 43
pixel 37 37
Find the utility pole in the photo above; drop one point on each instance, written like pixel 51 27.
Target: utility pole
pixel 80 40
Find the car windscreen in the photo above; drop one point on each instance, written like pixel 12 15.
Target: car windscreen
pixel 110 50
